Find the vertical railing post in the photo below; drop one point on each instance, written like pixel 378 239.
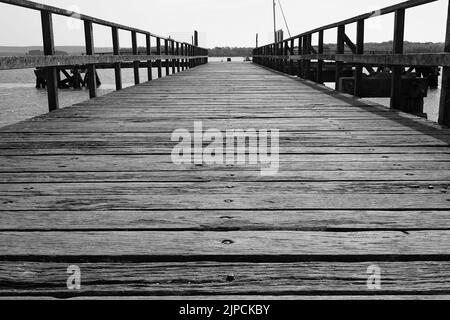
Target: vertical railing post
pixel 182 55
pixel 444 107
pixel 397 71
pixel 280 55
pixel 159 61
pixel 148 44
pixel 307 50
pixel 166 52
pixel 273 60
pixel 359 50
pixel 172 52
pixel 135 52
pixel 92 74
pixel 190 56
pixel 178 59
pixel 188 61
pixel 300 62
pixel 340 49
pixel 285 54
pixel 270 52
pixel 291 62
pixel 116 51
pixel 319 77
pixel 49 50
pixel 194 53
pixel 275 53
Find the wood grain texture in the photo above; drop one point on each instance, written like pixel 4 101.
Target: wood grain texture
pixel 233 245
pixel 224 220
pixel 94 185
pixel 218 279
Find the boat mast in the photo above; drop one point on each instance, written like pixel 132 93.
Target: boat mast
pixel 274 22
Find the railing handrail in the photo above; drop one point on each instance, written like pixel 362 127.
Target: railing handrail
pixel 76 15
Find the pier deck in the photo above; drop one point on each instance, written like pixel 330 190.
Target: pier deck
pixel 93 185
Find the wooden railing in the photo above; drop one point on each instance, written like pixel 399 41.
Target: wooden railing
pixel 281 56
pixel 176 55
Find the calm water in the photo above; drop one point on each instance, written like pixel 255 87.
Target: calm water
pixel 20 100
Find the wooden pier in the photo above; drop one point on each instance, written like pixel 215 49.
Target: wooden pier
pixel 362 192
pixel 93 185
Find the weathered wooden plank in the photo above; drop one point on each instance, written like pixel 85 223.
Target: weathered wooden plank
pixel 288 162
pixel 139 149
pixel 213 279
pixel 234 246
pixel 224 220
pixel 231 188
pixel 150 125
pixel 221 175
pixel 229 201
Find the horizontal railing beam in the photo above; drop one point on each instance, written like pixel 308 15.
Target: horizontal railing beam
pixel 24 62
pixel 416 59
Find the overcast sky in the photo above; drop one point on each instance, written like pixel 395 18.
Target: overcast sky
pixel 220 22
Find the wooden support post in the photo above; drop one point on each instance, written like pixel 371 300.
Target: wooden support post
pixel 307 50
pixel 188 61
pixel 319 76
pixel 285 54
pixel 92 75
pixel 339 50
pixel 166 52
pixel 116 50
pixel 49 50
pixel 188 53
pixel 282 54
pixel 135 52
pixel 196 38
pixel 397 71
pixel 444 107
pixel 182 54
pixel 274 53
pixel 270 60
pixel 159 61
pixel 172 52
pixel 275 60
pixel 191 62
pixel 300 62
pixel 178 60
pixel 359 50
pixel 291 62
pixel 148 43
